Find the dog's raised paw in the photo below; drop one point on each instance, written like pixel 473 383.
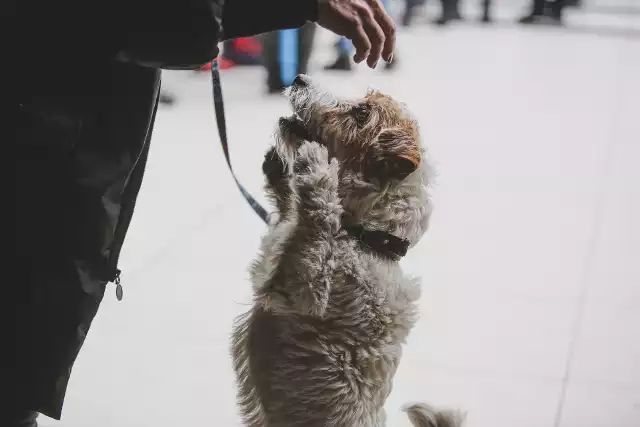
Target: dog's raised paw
pixel 310 155
pixel 273 166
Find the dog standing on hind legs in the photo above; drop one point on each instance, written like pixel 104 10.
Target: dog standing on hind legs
pixel 332 308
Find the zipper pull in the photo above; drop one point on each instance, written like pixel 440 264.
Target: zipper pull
pixel 116 280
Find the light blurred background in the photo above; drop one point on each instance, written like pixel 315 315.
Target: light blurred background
pixel 531 269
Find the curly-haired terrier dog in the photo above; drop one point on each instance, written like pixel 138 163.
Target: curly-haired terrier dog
pixel 332 307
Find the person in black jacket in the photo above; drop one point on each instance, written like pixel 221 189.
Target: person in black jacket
pixel 81 144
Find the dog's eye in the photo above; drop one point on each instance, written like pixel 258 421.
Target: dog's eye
pixel 361 113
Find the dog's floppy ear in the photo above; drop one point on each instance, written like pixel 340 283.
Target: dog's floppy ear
pixel 394 155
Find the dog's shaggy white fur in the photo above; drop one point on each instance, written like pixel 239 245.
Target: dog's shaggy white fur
pixel 324 338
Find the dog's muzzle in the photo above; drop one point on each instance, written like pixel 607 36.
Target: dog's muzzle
pixel 301 81
pixel 295 126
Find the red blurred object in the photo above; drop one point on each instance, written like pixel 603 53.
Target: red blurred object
pixel 205 67
pixel 248 45
pixel 243 51
pixel 224 64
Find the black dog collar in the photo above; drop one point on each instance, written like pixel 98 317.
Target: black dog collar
pixel 383 243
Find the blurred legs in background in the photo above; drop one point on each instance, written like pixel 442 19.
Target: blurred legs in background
pixel 343 61
pixel 543 11
pixel 486 11
pixel 286 54
pixel 450 12
pixel 410 11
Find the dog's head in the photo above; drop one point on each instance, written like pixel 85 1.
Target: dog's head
pixel 384 171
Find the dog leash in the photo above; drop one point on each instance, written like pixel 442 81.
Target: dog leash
pixel 222 132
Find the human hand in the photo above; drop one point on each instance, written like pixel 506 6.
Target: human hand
pixel 365 23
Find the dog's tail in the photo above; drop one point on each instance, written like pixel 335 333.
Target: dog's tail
pixel 423 415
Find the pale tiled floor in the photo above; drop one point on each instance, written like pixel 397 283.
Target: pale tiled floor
pixel 531 268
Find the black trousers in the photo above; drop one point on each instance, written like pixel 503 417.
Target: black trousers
pixel 76 187
pixel 486 7
pixel 450 8
pixel 272 54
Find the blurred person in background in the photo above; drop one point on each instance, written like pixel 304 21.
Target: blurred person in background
pixel 486 11
pixel 286 54
pixel 545 12
pixel 81 145
pixel 450 12
pixel 410 11
pixel 343 61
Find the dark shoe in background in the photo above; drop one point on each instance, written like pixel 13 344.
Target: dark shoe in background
pixel 166 99
pixel 530 19
pixel 545 13
pixel 449 17
pixel 486 12
pixel 342 63
pixel 554 20
pixel 541 20
pixel 554 11
pixel 442 21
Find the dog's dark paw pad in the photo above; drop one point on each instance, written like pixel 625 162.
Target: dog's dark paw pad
pixel 273 166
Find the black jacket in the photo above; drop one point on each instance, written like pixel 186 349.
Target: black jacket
pixel 87 97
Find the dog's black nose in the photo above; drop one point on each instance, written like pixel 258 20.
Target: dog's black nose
pixel 300 80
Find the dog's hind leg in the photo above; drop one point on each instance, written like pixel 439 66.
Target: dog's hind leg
pixel 423 415
pixel 302 275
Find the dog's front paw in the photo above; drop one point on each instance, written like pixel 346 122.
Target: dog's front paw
pixel 273 167
pixel 310 156
pixel 315 181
